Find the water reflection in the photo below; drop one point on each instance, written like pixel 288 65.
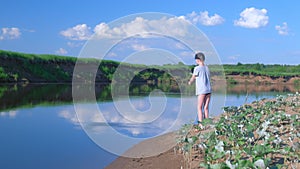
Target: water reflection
pixel 138 124
pixel 42 137
pixel 13 96
pixel 10 114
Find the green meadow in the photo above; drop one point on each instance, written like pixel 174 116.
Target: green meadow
pixel 23 67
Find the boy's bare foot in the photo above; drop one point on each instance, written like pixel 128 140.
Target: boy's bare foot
pixel 198 127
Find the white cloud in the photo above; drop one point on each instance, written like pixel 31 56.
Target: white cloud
pixel 140 26
pixel 71 116
pixel 233 57
pixel 204 19
pixel 61 51
pixel 78 32
pixel 10 33
pixel 103 30
pixel 282 30
pixel 168 26
pixel 139 47
pixel 252 18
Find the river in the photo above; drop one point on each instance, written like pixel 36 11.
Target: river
pixel 39 127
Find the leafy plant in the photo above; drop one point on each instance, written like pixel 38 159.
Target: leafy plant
pixel 259 135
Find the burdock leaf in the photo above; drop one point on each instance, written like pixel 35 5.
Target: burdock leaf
pixel 231 166
pixel 260 164
pixel 220 146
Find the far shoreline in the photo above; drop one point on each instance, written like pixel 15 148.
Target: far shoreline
pixel 230 80
pixel 34 68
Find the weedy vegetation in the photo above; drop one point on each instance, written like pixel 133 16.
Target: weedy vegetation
pixel 264 134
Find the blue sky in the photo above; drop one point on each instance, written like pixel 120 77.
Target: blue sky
pixel 256 31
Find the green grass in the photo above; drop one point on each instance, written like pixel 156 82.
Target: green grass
pixel 3 74
pixel 264 70
pixel 35 57
pixel 15 67
pixel 20 66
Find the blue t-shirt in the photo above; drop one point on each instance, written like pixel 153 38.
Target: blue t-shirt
pixel 202 80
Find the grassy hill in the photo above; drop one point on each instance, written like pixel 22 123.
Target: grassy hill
pixel 16 67
pixel 32 68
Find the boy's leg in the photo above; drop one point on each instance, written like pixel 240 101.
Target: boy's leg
pixel 201 98
pixel 206 105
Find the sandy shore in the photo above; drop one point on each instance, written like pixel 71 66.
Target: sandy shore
pixel 148 156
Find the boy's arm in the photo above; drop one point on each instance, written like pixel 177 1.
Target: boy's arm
pixel 192 79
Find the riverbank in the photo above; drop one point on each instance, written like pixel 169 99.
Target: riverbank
pixel 271 138
pixel 33 68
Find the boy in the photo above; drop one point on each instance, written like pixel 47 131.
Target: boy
pixel 203 87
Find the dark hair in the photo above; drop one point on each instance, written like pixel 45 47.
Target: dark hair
pixel 200 56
